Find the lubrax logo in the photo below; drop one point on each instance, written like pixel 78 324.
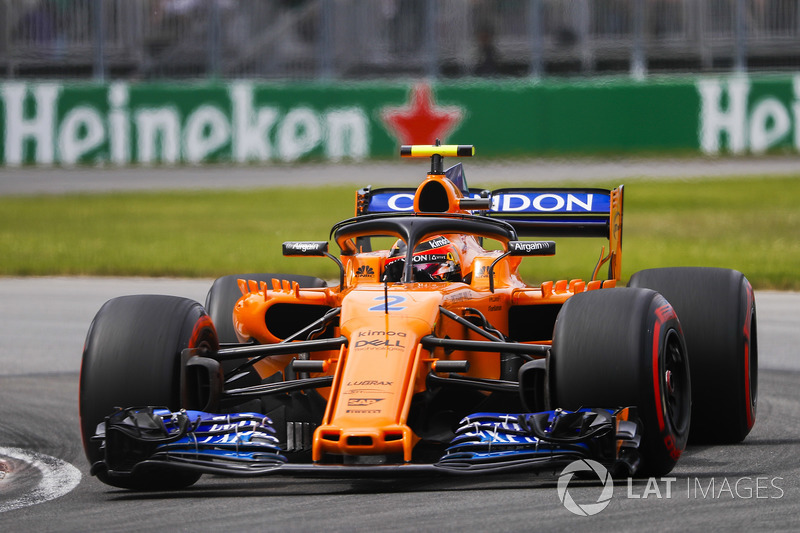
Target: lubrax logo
pixel 369 383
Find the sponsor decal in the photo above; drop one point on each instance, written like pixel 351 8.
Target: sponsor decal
pixel 363 402
pixel 305 248
pixel 377 343
pixel 44 128
pixel 436 243
pixel 550 202
pixel 532 247
pixel 510 202
pixel 430 258
pixel 728 113
pixel 367 391
pixel 365 271
pixel 369 383
pixel 388 333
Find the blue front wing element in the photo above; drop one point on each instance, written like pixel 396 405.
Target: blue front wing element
pixel 245 443
pixel 241 441
pixel 486 440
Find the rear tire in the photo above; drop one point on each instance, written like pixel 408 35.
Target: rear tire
pixel 623 347
pixel 132 358
pixel 717 310
pixel 224 293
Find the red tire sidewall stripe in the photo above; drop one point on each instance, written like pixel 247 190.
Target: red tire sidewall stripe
pixel 747 330
pixel 656 367
pixel 664 314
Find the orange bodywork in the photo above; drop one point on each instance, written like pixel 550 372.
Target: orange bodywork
pixel 384 364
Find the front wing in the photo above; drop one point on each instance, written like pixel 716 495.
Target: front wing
pixel 243 444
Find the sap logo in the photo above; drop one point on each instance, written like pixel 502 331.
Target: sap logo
pixel 362 402
pixel 365 271
pixel 378 343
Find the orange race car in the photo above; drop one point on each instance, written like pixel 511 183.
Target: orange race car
pixel 430 356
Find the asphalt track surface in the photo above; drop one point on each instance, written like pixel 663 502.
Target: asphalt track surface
pixel 45 485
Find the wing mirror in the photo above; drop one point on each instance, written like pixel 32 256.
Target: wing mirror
pixel 523 248
pixel 312 249
pixel 530 248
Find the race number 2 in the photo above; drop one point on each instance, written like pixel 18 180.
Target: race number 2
pixel 389 303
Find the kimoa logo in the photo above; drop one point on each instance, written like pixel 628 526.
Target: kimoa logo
pixel 120 131
pixel 587 509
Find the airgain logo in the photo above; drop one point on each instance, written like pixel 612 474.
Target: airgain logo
pixel 365 271
pixel 586 509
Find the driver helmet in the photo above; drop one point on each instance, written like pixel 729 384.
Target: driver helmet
pixel 435 259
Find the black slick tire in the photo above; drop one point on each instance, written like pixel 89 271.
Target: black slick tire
pixel 717 310
pixel 131 358
pixel 624 347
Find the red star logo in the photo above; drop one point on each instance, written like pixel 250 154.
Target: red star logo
pixel 421 122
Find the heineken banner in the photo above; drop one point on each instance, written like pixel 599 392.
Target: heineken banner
pixel 51 123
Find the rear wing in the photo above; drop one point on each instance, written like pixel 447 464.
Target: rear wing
pixel 533 212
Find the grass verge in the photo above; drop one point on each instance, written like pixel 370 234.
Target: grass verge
pixel 750 224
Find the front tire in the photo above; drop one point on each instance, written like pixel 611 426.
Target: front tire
pixel 623 347
pixel 131 358
pixel 717 310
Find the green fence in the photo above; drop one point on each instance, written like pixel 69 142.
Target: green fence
pixel 249 122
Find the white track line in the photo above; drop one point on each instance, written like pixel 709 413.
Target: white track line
pixel 58 478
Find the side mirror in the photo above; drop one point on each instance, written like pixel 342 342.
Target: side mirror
pixel 305 248
pixel 313 249
pixel 523 248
